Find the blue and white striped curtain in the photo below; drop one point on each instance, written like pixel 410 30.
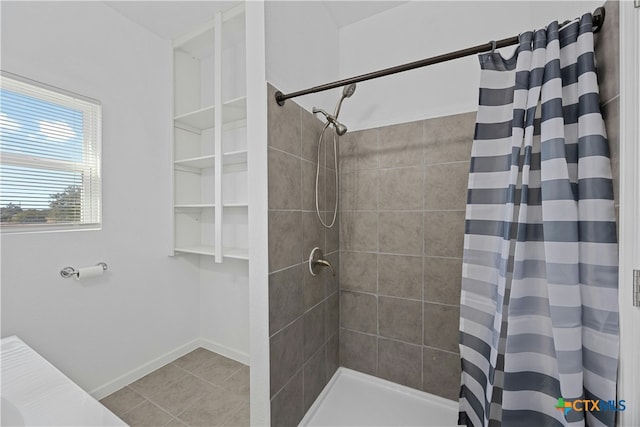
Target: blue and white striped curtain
pixel 539 304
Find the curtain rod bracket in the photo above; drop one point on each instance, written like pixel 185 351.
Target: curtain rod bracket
pixel 598 20
pixel 280 98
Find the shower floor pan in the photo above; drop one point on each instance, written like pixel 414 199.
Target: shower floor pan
pixel 355 399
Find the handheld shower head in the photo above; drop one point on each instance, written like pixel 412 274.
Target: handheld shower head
pixel 347 91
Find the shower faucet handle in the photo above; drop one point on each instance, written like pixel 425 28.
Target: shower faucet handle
pixel 317 261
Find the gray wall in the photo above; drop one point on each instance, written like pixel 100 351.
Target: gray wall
pixel 607 48
pixel 402 202
pixel 303 310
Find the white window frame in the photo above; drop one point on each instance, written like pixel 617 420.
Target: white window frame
pixel 24 160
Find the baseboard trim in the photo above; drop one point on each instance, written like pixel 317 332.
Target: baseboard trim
pixel 229 352
pixel 168 357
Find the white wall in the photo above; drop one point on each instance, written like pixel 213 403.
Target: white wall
pixel 224 307
pixel 147 303
pixel 301 50
pixel 423 29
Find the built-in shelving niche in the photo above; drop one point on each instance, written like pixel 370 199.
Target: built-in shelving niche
pixel 210 203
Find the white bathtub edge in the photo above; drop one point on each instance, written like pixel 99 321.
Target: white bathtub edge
pixel 323 394
pixel 342 371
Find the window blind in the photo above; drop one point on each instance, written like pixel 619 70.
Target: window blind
pixel 50 142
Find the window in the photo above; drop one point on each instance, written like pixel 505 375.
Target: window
pixel 50 157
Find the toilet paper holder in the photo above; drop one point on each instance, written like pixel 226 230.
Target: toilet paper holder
pixel 70 271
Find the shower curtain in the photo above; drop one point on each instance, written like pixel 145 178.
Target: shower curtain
pixel 539 304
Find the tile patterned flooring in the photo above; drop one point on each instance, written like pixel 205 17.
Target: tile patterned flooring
pixel 201 388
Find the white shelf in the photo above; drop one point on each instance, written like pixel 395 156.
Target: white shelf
pixel 236 253
pixel 201 162
pixel 235 157
pixel 206 122
pixel 196 249
pixel 194 205
pixel 234 110
pixel 200 119
pixel 204 162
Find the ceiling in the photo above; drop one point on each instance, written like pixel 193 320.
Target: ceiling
pixel 170 19
pixel 347 12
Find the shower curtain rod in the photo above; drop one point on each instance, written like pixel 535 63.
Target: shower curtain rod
pixel 598 20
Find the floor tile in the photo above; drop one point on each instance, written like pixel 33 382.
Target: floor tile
pixel 178 396
pixel 218 370
pixel 158 378
pixel 146 414
pixel 238 382
pixel 214 409
pixel 241 418
pixel 195 359
pixel 176 423
pixel 122 401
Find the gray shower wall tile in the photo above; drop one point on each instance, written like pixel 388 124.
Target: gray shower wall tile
pixel 400 233
pixel 607 52
pixel 359 190
pixel 444 233
pixel 311 130
pixel 332 235
pixel 358 351
pixel 400 319
pixel 304 310
pixel 331 162
pixel 359 271
pixel 449 138
pixel 441 324
pixel 284 127
pixel 359 231
pixel 400 362
pixel 312 233
pixel 445 186
pixel 400 276
pixel 287 407
pixel 315 376
pixel 333 314
pixel 287 347
pixel 285 297
pixel 442 280
pixel 401 145
pixel 441 373
pixel 359 311
pixel 331 189
pixel 309 186
pixel 400 189
pixel 611 116
pixel 285 239
pixel 315 327
pixel 333 356
pixel 332 281
pixel 314 286
pixel 358 150
pixel 285 175
pixel 411 220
